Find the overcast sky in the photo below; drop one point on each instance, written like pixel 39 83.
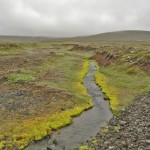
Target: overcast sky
pixel 72 17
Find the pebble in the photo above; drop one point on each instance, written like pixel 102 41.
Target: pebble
pixel 122 123
pixel 147 141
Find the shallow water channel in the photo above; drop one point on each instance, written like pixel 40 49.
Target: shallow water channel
pixel 84 126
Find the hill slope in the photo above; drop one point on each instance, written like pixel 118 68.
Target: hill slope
pixel 128 35
pixel 132 35
pixel 4 38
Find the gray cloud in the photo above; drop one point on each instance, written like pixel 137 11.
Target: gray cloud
pixel 72 17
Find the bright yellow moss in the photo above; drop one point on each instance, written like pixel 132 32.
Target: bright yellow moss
pixel 2 144
pixel 109 91
pixel 85 70
pixel 38 128
pixel 85 147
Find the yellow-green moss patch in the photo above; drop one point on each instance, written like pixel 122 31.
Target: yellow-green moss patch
pixel 85 147
pixel 20 77
pixel 120 85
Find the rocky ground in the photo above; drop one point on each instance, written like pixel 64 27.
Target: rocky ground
pixel 129 131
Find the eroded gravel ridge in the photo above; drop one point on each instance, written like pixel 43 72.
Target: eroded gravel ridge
pixel 129 131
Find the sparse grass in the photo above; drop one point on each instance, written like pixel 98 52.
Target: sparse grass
pixel 51 69
pixel 124 79
pixel 132 83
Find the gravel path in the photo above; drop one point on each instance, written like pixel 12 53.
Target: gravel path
pixel 129 131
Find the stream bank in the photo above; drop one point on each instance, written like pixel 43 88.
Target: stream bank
pixel 129 131
pixel 84 126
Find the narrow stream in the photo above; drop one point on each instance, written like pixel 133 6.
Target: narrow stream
pixel 84 126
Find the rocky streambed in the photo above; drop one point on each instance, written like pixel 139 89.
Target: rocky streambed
pixel 84 126
pixel 129 131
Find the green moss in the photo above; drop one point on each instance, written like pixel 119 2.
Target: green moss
pixel 85 147
pixel 2 143
pixel 116 128
pixel 20 77
pixel 85 70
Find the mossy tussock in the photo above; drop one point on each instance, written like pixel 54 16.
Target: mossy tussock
pixel 20 77
pixel 85 147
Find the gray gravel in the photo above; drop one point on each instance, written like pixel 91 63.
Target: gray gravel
pixel 129 131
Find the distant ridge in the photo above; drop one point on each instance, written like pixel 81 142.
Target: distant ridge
pixel 7 38
pixel 127 35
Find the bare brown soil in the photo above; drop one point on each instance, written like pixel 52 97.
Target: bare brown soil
pixel 104 59
pixel 30 99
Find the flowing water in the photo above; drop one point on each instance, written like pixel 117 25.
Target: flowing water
pixel 84 126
